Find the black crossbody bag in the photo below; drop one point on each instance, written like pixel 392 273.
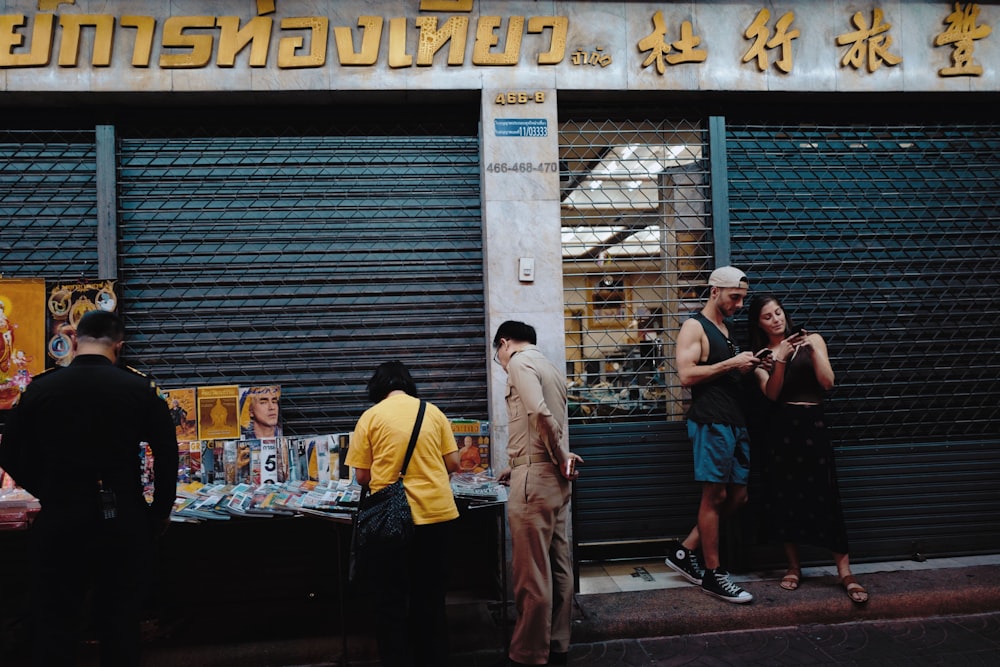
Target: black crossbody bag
pixel 384 520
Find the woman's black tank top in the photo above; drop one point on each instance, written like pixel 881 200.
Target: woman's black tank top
pixel 801 385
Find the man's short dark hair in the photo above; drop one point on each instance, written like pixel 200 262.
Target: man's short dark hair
pixel 514 330
pixel 99 324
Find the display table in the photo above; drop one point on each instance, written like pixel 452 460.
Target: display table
pixel 470 512
pixel 251 579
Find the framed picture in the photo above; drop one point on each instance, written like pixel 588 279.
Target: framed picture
pixel 22 336
pixel 609 304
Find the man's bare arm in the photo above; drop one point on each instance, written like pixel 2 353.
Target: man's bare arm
pixel 692 344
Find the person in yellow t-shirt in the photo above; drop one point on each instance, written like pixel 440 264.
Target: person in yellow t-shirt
pixel 409 602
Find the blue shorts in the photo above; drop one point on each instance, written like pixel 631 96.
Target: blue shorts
pixel 721 453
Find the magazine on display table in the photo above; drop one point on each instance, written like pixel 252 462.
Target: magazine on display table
pixel 473 439
pixel 478 489
pixel 264 477
pixel 17 507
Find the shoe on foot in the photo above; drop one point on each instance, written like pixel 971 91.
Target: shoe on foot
pixel 718 584
pixel 684 563
pixel 790 581
pixel 855 591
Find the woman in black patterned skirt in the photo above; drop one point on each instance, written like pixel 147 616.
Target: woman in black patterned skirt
pixel 801 499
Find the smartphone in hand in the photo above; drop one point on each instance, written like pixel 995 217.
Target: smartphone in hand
pixel 764 354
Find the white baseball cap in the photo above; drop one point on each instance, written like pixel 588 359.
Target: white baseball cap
pixel 728 276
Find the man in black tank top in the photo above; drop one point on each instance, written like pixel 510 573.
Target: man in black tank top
pixel 709 363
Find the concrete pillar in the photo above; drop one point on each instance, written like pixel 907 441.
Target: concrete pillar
pixel 521 220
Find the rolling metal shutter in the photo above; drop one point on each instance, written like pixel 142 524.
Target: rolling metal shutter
pixel 48 203
pixel 306 261
pixel 886 240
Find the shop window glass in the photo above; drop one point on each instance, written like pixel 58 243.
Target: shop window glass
pixel 636 243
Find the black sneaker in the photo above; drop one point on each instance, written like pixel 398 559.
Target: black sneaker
pixel 684 563
pixel 718 584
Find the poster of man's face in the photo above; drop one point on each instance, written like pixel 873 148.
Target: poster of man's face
pixel 261 412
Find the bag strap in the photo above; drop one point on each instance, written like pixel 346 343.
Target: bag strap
pixel 413 437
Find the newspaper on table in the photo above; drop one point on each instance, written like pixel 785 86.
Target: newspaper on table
pixel 479 488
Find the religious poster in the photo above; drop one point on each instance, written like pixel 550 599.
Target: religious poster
pixel 67 303
pixel 22 336
pixel 473 439
pixel 182 412
pixel 218 413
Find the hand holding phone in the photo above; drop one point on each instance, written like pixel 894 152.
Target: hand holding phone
pixel 568 468
pixel 764 354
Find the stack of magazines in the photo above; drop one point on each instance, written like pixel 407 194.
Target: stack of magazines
pixel 17 508
pixel 210 502
pixel 478 488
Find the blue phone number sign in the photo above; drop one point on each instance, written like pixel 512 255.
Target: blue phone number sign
pixel 521 127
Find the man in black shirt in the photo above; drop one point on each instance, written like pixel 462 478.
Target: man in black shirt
pixel 708 363
pixel 73 442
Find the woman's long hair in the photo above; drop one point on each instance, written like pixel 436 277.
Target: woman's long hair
pixel 389 377
pixel 758 339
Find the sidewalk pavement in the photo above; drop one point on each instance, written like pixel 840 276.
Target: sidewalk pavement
pixel 604 623
pixel 896 590
pixel 928 592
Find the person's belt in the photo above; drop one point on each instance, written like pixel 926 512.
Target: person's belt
pixel 529 458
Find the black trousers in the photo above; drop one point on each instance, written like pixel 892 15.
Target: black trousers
pixel 407 590
pixel 77 557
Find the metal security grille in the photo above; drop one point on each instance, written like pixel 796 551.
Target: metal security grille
pixel 48 201
pixel 886 240
pixel 636 240
pixel 305 261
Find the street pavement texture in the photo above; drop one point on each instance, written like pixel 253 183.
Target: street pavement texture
pixel 939 640
pixel 946 616
pixel 934 616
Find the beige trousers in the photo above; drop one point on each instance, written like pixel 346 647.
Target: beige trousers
pixel 538 513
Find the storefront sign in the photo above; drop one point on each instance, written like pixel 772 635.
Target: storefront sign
pixel 614 44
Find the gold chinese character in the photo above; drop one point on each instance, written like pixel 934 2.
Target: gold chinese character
pixel 759 32
pixel 686 46
pixel 871 43
pixel 660 50
pixel 961 33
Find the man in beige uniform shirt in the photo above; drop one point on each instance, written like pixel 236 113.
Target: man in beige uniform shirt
pixel 541 468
